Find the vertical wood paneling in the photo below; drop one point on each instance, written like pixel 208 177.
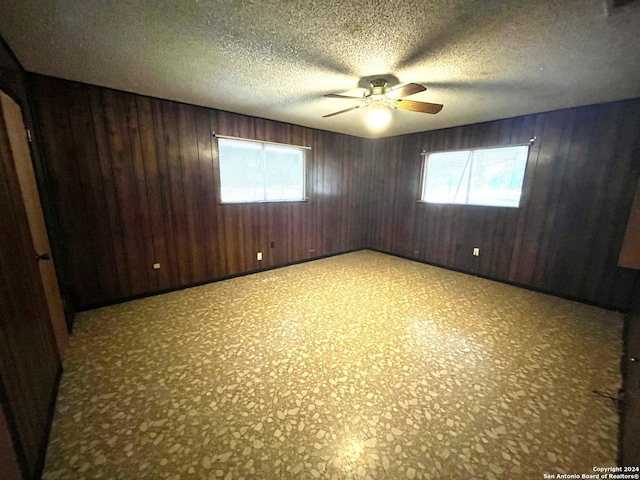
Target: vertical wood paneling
pixel 566 235
pixel 149 168
pixel 82 129
pixel 75 229
pixel 535 211
pixel 587 221
pixel 137 183
pixel 518 255
pixel 559 166
pixel 116 269
pixel 176 194
pixel 561 254
pixel 168 225
pixel 127 191
pixel 207 192
pixel 192 192
pixel 617 190
pixel 142 199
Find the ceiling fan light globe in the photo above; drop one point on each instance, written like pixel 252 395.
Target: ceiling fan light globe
pixel 378 117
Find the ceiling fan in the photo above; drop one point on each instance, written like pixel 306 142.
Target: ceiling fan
pixel 382 96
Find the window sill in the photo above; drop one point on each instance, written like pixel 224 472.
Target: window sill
pixel 304 200
pixel 466 205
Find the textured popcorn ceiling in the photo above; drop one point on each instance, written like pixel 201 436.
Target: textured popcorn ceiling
pixel 276 59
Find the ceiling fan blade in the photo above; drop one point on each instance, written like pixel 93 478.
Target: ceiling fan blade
pixel 342 111
pixel 422 107
pixel 348 97
pixel 406 90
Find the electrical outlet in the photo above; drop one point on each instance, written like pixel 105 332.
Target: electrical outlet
pixel 156 266
pixel 476 251
pixel 259 256
pixel 273 244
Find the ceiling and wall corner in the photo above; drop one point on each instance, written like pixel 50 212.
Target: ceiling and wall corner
pixel 483 60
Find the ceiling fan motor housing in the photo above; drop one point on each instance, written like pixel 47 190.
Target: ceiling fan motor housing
pixel 381 96
pixel 378 87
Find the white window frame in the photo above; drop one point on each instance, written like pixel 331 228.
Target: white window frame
pixel 304 150
pixel 472 151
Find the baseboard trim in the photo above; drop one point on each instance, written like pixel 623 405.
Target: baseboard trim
pixel 506 282
pixel 213 280
pixel 311 259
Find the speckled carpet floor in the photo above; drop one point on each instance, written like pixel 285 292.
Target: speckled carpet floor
pixel 357 366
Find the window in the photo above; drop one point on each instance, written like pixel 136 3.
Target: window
pixel 489 176
pixel 253 171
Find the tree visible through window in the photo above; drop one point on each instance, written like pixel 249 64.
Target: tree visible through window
pixel 260 172
pixel 490 176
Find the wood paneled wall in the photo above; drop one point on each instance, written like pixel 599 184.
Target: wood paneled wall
pixel 135 180
pixel 566 235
